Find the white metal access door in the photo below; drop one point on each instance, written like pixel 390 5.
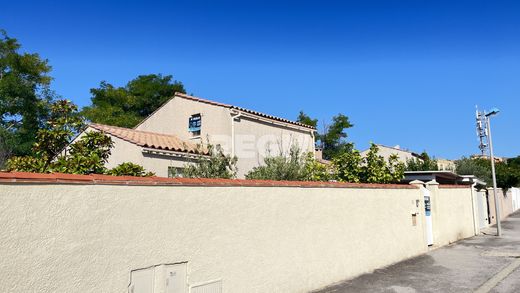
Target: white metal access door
pixel 483 217
pixel 428 216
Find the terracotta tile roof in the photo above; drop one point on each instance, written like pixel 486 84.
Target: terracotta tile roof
pixel 151 139
pixel 243 110
pixel 60 178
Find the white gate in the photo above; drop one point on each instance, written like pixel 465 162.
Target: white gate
pixel 483 215
pixel 428 216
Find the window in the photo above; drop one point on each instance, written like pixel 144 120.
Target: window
pixel 194 124
pixel 174 172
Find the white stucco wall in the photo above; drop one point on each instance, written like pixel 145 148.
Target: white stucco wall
pixel 87 238
pixel 453 214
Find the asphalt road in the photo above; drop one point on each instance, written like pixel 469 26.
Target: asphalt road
pixel 483 263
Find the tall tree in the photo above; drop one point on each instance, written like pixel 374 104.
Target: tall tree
pixel 306 119
pixel 333 139
pixel 127 106
pixel 507 173
pixel 25 97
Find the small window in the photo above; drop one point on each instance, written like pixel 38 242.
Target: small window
pixel 194 124
pixel 175 172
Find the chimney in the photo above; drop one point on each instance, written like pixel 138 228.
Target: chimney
pixel 318 154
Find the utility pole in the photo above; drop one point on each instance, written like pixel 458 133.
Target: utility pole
pixel 484 131
pixel 491 155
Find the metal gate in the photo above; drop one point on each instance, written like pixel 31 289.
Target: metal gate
pixel 483 209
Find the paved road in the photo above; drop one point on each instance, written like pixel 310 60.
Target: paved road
pixel 484 263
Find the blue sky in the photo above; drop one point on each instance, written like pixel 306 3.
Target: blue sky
pixel 405 72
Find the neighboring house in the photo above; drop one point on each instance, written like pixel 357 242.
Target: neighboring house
pixel 405 155
pixel 446 165
pixel 486 157
pixel 168 138
pixel 386 151
pixel 165 155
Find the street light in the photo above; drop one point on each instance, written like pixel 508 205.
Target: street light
pixel 493 111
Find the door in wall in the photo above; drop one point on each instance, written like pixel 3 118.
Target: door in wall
pixel 483 216
pixel 428 216
pixel 170 278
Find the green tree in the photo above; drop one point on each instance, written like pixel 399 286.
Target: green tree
pixel 25 97
pixel 52 152
pixel 127 106
pixel 348 166
pixel 507 172
pixel 333 139
pixel 373 168
pixel 376 170
pixel 215 165
pixel 481 168
pixel 306 119
pixel 423 163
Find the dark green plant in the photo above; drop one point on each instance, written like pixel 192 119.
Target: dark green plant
pixel 52 152
pixel 129 169
pixel 348 166
pixel 507 172
pixel 215 165
pixel 373 168
pixel 423 163
pixel 376 170
pixel 333 139
pixel 127 106
pixel 25 97
pixel 293 165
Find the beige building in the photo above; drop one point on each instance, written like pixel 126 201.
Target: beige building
pixel 385 151
pixel 166 140
pixel 405 155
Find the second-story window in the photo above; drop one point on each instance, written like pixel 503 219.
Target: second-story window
pixel 195 124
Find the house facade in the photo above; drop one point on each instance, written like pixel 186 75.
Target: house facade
pixel 386 151
pixel 404 155
pixel 171 136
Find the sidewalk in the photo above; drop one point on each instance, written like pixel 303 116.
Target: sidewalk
pixel 483 263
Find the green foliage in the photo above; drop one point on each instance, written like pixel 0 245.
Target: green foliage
pixel 507 173
pixel 481 168
pixel 333 139
pixel 376 170
pixel 51 152
pixel 129 169
pixel 317 171
pixel 306 119
pixel 423 163
pixel 348 166
pixel 351 167
pixel 127 106
pixel 216 165
pixel 292 166
pixel 25 97
pixel 88 155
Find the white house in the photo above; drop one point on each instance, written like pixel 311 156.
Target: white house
pixel 169 138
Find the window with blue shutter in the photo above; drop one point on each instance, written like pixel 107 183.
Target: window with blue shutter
pixel 195 123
